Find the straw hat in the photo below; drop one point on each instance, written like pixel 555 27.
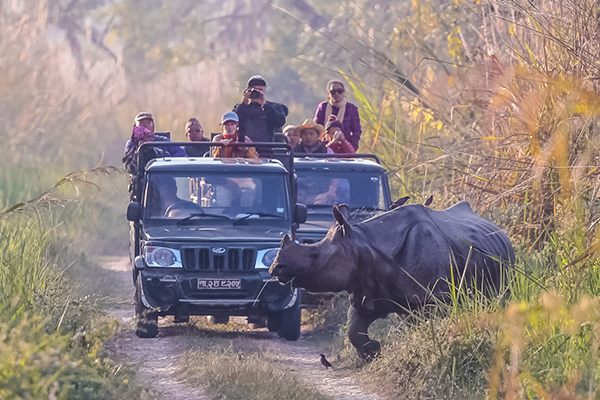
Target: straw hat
pixel 310 124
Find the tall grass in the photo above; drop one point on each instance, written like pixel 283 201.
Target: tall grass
pixel 51 335
pixel 538 339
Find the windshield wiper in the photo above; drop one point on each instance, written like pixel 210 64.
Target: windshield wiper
pixel 194 215
pixel 245 217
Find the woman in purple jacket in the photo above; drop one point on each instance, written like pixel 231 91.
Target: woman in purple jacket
pixel 347 113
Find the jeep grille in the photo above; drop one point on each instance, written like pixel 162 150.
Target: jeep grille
pixel 203 259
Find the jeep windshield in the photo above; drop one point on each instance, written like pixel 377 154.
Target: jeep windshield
pixel 320 190
pixel 182 199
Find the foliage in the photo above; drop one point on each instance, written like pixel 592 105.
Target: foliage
pixel 51 337
pixel 490 101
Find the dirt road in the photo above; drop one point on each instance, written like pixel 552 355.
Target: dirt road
pixel 157 360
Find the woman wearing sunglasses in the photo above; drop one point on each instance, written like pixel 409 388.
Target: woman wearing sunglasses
pixel 347 113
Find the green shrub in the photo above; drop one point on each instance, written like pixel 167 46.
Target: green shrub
pixel 51 335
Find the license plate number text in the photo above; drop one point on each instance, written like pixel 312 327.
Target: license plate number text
pixel 208 284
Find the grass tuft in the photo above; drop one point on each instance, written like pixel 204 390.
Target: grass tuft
pixel 236 375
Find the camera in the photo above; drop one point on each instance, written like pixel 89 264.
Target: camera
pixel 254 94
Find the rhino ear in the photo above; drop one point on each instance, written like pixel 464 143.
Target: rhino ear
pixel 344 209
pixel 340 214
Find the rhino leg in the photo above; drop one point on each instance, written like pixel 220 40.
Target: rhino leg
pixel 358 326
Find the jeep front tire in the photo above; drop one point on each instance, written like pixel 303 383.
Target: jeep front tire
pixel 289 322
pixel 146 320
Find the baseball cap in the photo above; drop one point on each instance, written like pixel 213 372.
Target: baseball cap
pixel 229 116
pixel 143 115
pixel 257 80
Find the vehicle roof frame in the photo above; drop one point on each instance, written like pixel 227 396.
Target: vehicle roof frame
pixel 279 151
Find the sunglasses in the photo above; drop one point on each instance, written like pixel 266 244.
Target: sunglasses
pixel 194 130
pixel 338 91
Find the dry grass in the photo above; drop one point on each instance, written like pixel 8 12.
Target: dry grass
pixel 225 363
pixel 239 375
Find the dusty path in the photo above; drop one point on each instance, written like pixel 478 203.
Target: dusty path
pixel 303 359
pixel 157 360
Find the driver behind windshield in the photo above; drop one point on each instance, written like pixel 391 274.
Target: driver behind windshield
pixel 163 193
pixel 338 192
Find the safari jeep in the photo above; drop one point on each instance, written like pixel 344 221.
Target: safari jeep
pixel 204 232
pixel 326 179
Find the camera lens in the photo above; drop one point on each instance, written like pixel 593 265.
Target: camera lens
pixel 254 94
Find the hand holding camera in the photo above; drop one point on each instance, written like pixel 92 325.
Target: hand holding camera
pixel 253 94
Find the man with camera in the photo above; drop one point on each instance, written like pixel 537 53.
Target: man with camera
pixel 259 118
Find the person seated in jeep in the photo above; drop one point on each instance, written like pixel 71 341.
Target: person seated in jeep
pixel 333 137
pixel 230 123
pixel 292 134
pixel 195 133
pixel 142 132
pixel 309 133
pixel 146 120
pixel 165 198
pixel 338 192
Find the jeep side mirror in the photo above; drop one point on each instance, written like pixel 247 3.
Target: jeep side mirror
pixel 300 214
pixel 134 211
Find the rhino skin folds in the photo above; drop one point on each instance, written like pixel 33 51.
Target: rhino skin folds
pixel 397 261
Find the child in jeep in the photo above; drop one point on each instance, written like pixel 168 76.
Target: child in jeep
pixel 230 124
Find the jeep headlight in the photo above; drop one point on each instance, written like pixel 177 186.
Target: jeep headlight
pixel 162 257
pixel 264 258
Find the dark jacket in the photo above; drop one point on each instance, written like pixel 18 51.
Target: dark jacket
pixel 131 160
pixel 170 151
pixel 321 149
pixel 197 151
pixel 259 123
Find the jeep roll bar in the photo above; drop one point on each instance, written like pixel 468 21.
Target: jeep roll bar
pixel 338 155
pixel 279 151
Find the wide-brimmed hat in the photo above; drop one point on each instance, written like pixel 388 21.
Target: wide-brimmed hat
pixel 310 124
pixel 289 128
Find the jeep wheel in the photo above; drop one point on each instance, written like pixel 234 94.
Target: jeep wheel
pixel 273 322
pixel 289 323
pixel 146 320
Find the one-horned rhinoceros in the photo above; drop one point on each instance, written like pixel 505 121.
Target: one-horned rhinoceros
pixel 396 261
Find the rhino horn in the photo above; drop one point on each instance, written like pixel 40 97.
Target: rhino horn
pixel 340 213
pixel 286 240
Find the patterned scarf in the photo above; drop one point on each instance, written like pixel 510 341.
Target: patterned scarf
pixel 342 109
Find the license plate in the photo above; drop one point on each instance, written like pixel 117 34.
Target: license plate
pixel 210 284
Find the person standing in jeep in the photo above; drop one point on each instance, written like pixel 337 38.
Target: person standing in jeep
pixel 259 118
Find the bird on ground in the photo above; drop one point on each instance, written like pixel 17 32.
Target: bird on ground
pixel 428 202
pixel 325 363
